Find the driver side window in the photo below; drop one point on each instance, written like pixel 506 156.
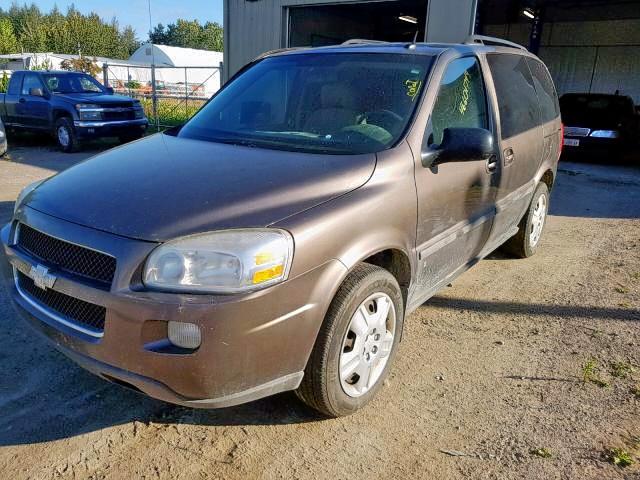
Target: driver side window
pixel 461 101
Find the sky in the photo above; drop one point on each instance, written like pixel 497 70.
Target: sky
pixel 136 12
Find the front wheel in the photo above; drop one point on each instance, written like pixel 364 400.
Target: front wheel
pixel 66 135
pixel 356 343
pixel 525 243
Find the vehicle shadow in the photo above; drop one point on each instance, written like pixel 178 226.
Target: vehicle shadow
pixel 516 308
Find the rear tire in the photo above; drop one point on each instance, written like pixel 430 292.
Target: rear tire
pixel 65 135
pixel 346 369
pixel 525 243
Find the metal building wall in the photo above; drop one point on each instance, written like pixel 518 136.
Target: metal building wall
pixel 253 27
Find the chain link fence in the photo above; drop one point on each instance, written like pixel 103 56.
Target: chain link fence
pixel 169 95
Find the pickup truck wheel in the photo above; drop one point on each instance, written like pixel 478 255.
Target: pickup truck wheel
pixel 356 344
pixel 66 135
pixel 525 243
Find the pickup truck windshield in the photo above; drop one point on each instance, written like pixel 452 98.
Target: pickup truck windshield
pixel 72 83
pixel 335 103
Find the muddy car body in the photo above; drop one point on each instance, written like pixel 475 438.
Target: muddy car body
pixel 209 268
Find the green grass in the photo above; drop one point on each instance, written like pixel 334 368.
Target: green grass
pixel 621 369
pixel 541 452
pixel 590 373
pixel 171 111
pixel 619 457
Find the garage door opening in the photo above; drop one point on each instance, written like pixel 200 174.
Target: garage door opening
pixel 393 21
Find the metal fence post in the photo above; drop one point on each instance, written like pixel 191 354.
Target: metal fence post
pixel 220 70
pixel 186 93
pixel 128 81
pixel 105 74
pixel 154 97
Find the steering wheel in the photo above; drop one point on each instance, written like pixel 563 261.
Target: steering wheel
pixel 384 118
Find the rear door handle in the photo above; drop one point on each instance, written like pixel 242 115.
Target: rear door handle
pixel 22 100
pixel 509 156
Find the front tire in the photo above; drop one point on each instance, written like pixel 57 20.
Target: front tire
pixel 65 135
pixel 525 243
pixel 356 344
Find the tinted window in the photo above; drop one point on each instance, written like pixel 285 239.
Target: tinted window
pixel 461 99
pixel 14 84
pixel 517 100
pixel 30 81
pixel 547 96
pixel 72 83
pixel 339 103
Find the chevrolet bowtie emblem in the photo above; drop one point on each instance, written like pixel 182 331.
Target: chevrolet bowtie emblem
pixel 41 277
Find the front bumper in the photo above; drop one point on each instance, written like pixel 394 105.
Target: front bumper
pixel 110 129
pixel 253 345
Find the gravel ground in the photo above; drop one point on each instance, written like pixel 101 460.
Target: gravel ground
pixel 489 370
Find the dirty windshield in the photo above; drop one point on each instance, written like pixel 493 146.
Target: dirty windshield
pixel 336 103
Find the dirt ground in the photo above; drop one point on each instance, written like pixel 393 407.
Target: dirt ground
pixel 489 371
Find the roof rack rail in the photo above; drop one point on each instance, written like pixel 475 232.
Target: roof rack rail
pixel 277 50
pixel 361 41
pixel 483 40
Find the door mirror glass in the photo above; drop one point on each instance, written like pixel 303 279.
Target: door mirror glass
pixel 460 145
pixel 36 92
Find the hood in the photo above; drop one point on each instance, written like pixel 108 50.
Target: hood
pixel 165 187
pixel 95 98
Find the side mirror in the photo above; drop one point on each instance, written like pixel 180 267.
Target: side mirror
pixel 110 90
pixel 460 145
pixel 36 92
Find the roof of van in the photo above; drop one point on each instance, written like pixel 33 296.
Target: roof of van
pixel 364 46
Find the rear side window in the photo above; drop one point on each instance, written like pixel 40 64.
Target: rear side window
pixel 461 101
pixel 517 99
pixel 549 108
pixel 14 84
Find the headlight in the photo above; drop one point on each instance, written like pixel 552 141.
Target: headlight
pixel 89 111
pixel 227 261
pixel 605 134
pixel 23 194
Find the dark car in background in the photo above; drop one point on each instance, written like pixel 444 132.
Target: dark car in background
pixel 598 123
pixel 71 106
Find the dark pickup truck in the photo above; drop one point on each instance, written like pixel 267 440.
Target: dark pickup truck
pixel 71 106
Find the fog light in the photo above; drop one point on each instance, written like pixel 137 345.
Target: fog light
pixel 185 335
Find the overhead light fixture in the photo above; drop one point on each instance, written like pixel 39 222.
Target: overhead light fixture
pixel 528 12
pixel 408 18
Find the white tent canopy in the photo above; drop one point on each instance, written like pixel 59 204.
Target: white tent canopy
pixel 175 56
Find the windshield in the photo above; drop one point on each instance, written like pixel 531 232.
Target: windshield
pixel 336 103
pixel 72 83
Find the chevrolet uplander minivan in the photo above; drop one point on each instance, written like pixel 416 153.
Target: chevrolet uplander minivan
pixel 279 239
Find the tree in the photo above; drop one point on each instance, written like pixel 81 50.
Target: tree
pixel 82 64
pixel 189 34
pixel 8 39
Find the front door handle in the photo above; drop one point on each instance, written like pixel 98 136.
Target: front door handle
pixel 23 100
pixel 492 164
pixel 509 156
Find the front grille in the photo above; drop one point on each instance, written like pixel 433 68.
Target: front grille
pixel 66 256
pixel 576 131
pixel 79 311
pixel 113 116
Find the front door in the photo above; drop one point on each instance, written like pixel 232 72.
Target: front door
pixel 35 109
pixel 456 201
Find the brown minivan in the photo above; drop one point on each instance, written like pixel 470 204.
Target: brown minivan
pixel 279 239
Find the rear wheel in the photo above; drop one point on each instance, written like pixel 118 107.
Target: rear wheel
pixel 65 135
pixel 525 242
pixel 356 344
